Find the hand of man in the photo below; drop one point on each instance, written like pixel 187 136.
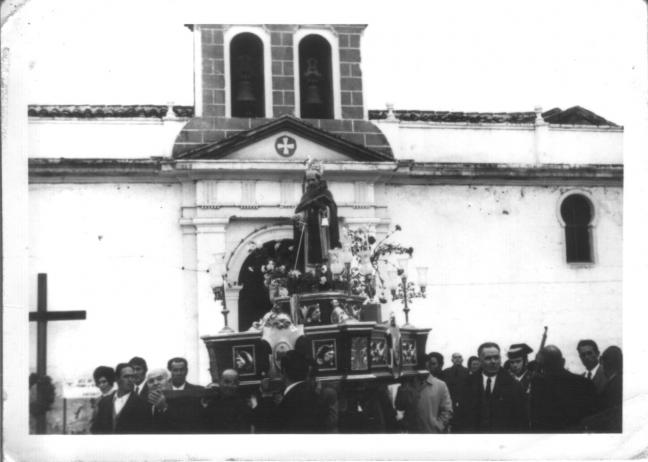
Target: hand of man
pixel 158 400
pixel 206 400
pixel 265 388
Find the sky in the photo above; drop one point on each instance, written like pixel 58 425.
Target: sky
pixel 462 55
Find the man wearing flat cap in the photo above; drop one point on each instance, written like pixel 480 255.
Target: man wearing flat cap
pixel 518 355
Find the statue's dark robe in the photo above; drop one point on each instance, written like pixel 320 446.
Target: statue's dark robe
pixel 315 200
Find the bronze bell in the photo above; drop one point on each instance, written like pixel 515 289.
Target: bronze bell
pixel 245 94
pixel 313 77
pixel 313 94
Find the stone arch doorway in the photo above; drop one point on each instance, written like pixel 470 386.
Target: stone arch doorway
pixel 254 300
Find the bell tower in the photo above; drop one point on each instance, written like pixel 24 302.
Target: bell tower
pixel 265 71
pixel 246 76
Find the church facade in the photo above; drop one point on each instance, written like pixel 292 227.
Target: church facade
pixel 134 209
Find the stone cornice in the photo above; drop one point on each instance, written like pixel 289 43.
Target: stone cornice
pixel 400 172
pixel 65 170
pixel 575 115
pixel 433 172
pixel 90 111
pixel 204 224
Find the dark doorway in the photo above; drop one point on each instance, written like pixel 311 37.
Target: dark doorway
pixel 253 297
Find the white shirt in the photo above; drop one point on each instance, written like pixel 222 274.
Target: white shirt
pixel 593 371
pixel 485 379
pixel 181 387
pixel 519 379
pixel 138 388
pixel 291 386
pixel 119 402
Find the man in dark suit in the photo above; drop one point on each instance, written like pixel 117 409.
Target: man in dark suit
pixel 609 418
pixel 226 411
pixel 178 368
pixel 454 377
pixel 179 408
pixel 588 352
pixel 559 400
pixel 612 395
pixel 491 401
pixel 122 412
pixel 299 410
pixel 139 370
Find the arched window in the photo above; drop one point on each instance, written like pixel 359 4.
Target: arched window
pixel 577 212
pixel 315 78
pixel 246 76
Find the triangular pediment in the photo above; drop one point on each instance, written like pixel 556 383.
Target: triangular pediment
pixel 285 138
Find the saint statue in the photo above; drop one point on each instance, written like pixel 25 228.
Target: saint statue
pixel 316 231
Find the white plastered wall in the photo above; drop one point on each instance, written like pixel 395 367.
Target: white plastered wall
pixel 112 138
pixel 497 267
pixel 496 258
pixel 503 143
pixel 113 250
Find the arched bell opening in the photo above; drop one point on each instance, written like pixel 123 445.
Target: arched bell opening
pixel 315 78
pixel 246 75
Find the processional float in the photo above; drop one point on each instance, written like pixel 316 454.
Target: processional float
pixel 326 292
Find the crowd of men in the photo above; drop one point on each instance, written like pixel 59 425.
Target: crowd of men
pixel 519 396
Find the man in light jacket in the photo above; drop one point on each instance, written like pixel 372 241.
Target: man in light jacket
pixel 426 402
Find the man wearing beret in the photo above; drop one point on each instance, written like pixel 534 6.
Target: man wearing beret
pixel 518 355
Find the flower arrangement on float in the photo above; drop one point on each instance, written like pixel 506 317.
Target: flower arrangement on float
pixel 371 268
pixel 362 266
pixel 280 276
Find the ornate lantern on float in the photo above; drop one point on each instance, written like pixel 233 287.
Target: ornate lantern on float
pixel 218 283
pixel 404 289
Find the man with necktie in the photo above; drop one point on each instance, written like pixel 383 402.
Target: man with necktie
pixel 588 352
pixel 140 369
pixel 492 401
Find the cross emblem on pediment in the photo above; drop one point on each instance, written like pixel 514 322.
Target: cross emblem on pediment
pixel 285 146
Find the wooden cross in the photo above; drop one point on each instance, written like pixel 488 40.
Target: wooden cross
pixel 42 317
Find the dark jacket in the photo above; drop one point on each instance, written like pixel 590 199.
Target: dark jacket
pixel 612 394
pixel 300 411
pixel 559 402
pixel 454 377
pixel 368 410
pixel 525 381
pixel 599 379
pixel 227 414
pixel 144 393
pixel 609 415
pixel 135 416
pixel 504 411
pixel 184 413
